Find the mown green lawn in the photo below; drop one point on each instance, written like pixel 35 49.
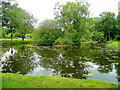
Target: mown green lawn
pixel 20 81
pixel 115 44
pixel 14 41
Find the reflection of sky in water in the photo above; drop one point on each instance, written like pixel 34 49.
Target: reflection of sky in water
pixel 40 71
pixel 36 57
pixel 111 76
pixel 7 54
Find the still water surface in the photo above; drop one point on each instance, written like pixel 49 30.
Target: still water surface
pixel 88 61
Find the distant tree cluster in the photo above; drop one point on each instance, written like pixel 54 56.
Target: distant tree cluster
pixel 72 25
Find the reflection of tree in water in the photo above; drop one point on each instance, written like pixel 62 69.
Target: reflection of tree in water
pixel 72 67
pixel 71 62
pixel 105 59
pixel 22 61
pixel 118 71
pixel 117 67
pixel 105 68
pixel 64 61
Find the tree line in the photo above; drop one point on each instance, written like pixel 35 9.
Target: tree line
pixel 72 24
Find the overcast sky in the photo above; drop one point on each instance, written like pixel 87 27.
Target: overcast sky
pixel 43 9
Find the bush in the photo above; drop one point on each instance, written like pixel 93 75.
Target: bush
pixel 46 37
pixel 98 36
pixel 59 41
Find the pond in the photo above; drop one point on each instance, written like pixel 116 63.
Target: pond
pixel 88 61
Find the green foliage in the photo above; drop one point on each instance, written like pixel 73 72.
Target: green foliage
pixel 71 36
pixel 4 32
pixel 67 41
pixel 97 36
pixel 0 31
pixel 72 18
pixel 87 36
pixel 107 24
pixel 47 33
pixel 22 20
pixel 117 36
pixel 20 81
pixel 6 6
pixel 15 19
pixel 59 41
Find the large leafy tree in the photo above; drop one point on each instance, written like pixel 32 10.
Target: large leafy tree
pixel 23 20
pixel 6 6
pixel 47 32
pixel 94 30
pixel 72 18
pixel 15 19
pixel 108 25
pixel 118 27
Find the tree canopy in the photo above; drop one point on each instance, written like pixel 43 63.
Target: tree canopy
pixel 108 24
pixel 72 18
pixel 16 19
pixel 47 32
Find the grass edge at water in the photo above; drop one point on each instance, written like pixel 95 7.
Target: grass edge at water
pixel 114 43
pixel 10 80
pixel 15 41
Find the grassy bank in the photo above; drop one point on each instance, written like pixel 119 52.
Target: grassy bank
pixel 115 44
pixel 20 81
pixel 15 41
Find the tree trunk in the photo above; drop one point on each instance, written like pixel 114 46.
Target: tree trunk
pixel 109 36
pixel 11 38
pixel 23 38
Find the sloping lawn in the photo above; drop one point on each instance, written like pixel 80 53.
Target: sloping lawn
pixel 115 44
pixel 20 81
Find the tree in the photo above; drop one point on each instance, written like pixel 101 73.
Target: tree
pixel 16 19
pixel 6 23
pixel 3 32
pixel 6 6
pixel 118 27
pixel 24 21
pixel 73 14
pixel 94 33
pixel 47 32
pixel 108 25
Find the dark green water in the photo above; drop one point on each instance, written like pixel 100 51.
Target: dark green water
pixel 88 61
